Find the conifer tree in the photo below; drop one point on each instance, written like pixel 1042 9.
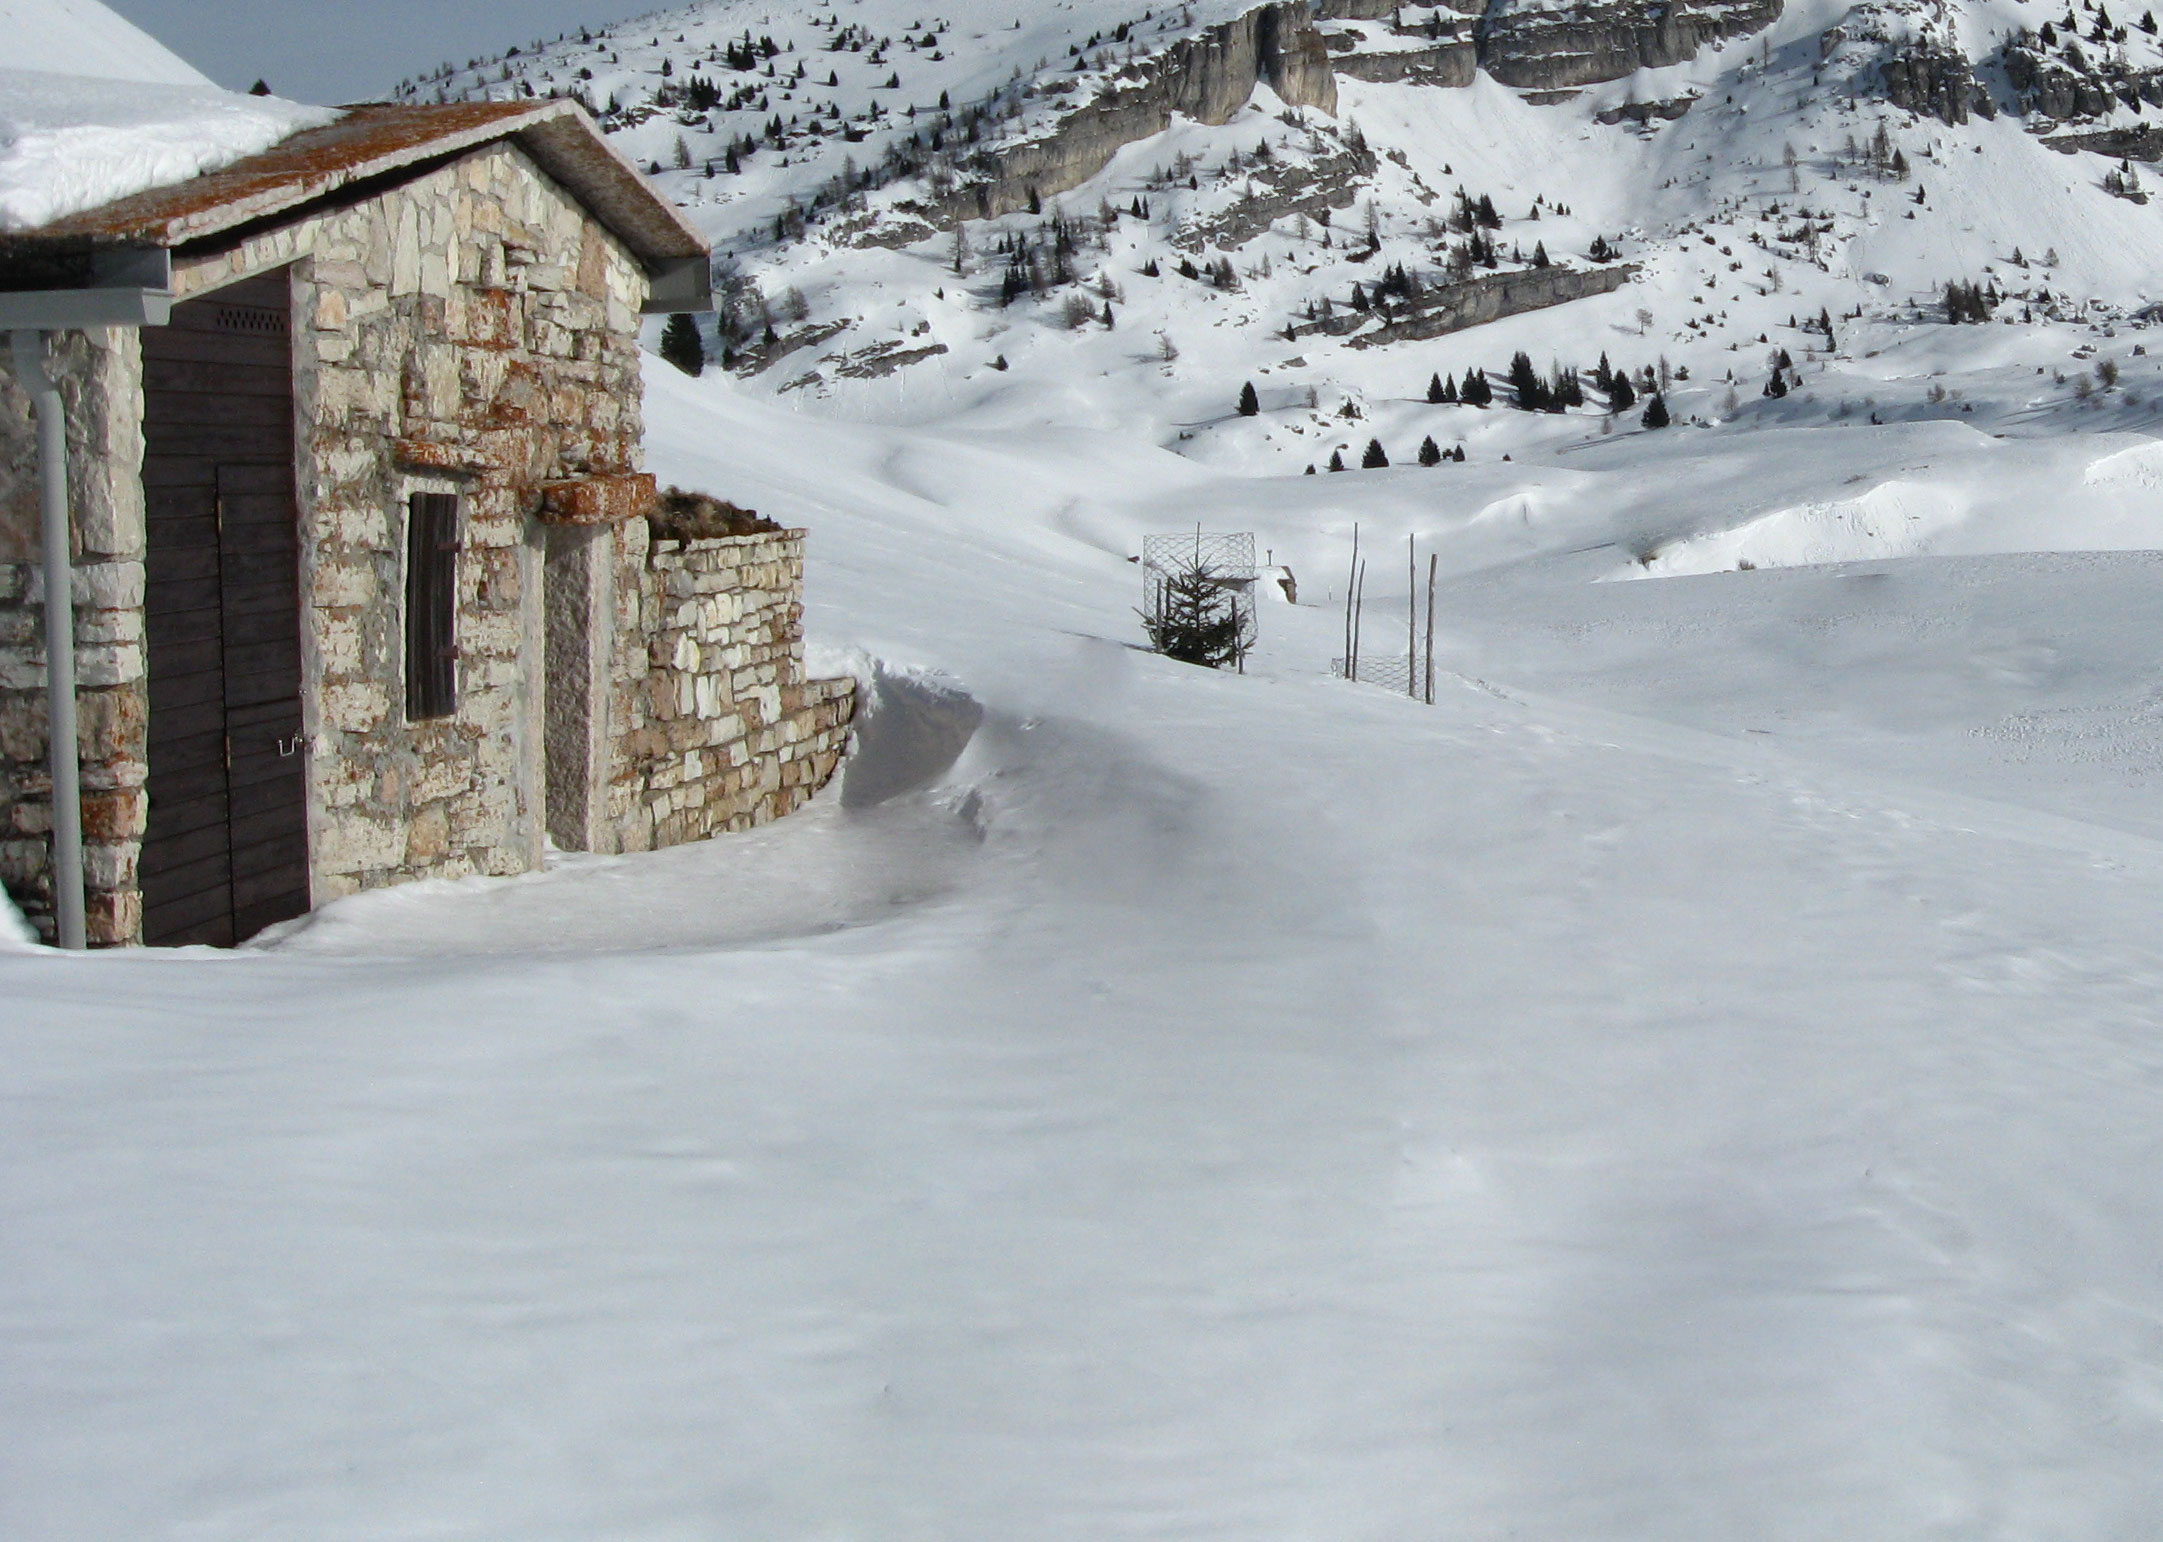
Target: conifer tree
pixel 682 346
pixel 1434 390
pixel 1336 460
pixel 1430 453
pixel 1525 383
pixel 1196 618
pixel 1620 395
pixel 1374 459
pixel 1249 402
pixel 1476 392
pixel 1656 413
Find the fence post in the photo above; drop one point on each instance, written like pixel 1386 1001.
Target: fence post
pixel 1359 616
pixel 1432 558
pixel 1351 582
pixel 1411 617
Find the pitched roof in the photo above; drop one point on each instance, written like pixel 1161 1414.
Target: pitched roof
pixel 382 140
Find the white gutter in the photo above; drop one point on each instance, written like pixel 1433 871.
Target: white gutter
pixel 28 317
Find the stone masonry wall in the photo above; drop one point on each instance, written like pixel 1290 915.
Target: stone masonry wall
pixel 473 331
pixel 97 373
pixel 721 731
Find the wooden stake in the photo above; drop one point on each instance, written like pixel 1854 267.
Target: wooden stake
pixel 1351 582
pixel 1432 558
pixel 1359 615
pixel 1411 617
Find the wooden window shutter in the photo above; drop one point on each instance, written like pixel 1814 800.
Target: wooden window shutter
pixel 431 606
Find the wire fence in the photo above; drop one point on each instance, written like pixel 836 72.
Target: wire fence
pixel 1406 676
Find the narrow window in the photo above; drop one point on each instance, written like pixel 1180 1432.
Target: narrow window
pixel 431 606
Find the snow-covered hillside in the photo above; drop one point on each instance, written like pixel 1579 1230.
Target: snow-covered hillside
pixel 835 171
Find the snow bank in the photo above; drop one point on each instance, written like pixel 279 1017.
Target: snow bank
pixel 93 109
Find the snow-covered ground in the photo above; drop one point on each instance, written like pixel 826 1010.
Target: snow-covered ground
pixel 1697 1080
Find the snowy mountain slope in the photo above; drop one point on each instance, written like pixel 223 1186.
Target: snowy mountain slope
pixel 1788 187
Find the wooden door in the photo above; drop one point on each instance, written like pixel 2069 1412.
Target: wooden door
pixel 226 852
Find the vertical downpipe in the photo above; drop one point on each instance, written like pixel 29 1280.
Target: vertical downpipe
pixel 67 848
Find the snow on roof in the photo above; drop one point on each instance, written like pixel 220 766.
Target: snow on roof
pixel 70 143
pixel 384 139
pixel 92 109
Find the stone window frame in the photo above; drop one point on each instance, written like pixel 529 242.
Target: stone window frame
pixel 459 485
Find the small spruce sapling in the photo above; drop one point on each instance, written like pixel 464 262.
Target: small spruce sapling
pixel 1374 459
pixel 1197 618
pixel 1249 402
pixel 1430 453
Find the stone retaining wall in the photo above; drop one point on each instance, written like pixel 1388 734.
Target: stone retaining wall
pixel 722 730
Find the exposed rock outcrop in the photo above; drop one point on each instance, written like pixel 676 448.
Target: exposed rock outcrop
pixel 1207 78
pixel 1283 192
pixel 1543 47
pixel 1646 112
pixel 2063 80
pixel 1448 308
pixel 1936 84
pixel 1452 62
pixel 2144 143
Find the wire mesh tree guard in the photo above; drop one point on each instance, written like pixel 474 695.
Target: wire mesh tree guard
pixel 1222 562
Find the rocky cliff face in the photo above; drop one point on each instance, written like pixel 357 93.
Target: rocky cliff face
pixel 1936 84
pixel 1541 46
pixel 2063 81
pixel 1452 62
pixel 1538 45
pixel 1207 78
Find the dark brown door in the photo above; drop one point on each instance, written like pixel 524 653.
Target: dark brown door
pixel 226 853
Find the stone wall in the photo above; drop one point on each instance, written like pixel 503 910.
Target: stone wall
pixel 470 331
pixel 97 372
pixel 722 730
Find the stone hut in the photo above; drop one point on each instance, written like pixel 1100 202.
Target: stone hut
pixel 365 585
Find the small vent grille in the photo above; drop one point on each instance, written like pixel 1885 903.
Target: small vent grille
pixel 251 318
